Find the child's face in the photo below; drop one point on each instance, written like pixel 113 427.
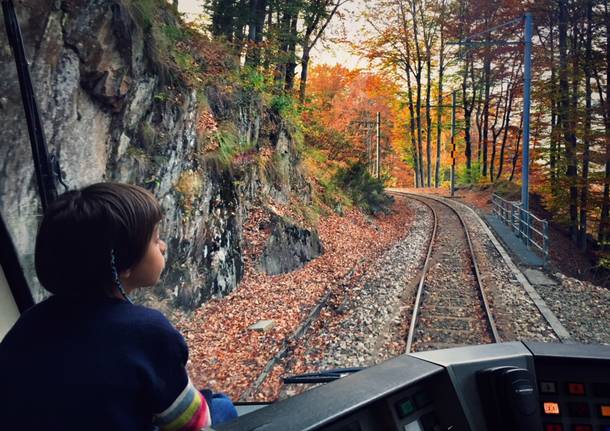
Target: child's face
pixel 148 271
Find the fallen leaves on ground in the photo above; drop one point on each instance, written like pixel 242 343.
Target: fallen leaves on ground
pixel 224 354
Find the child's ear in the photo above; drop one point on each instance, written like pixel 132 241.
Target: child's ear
pixel 126 273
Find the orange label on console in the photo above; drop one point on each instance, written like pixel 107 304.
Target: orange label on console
pixel 605 410
pixel 551 408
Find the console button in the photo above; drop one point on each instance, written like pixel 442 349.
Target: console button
pixel 579 410
pixel 604 410
pixel 582 428
pixel 548 388
pixel 550 408
pixel 404 408
pixel 576 388
pixel 553 427
pixel 413 426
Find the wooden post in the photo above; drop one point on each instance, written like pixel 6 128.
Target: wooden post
pixel 378 165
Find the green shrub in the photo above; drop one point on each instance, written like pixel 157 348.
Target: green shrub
pixel 365 191
pixel 229 145
pixel 173 33
pixel 465 176
pixel 254 81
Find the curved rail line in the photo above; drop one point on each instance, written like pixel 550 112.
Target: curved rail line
pixel 418 299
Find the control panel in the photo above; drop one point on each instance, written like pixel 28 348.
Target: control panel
pixel 508 386
pixel 574 395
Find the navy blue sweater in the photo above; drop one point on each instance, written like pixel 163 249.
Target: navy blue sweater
pixel 89 365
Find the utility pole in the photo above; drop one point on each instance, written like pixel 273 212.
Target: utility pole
pixel 452 143
pixel 373 165
pixel 527 81
pixel 378 164
pixel 369 152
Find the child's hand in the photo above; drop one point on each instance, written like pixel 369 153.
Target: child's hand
pixel 221 407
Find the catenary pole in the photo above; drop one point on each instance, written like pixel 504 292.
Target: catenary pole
pixel 452 143
pixel 527 80
pixel 378 164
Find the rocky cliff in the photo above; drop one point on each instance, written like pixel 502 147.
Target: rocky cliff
pixel 113 111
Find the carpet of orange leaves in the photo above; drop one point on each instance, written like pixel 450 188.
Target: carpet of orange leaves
pixel 224 354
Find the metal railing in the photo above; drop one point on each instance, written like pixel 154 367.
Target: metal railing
pixel 532 230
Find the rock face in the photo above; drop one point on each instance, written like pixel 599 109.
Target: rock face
pixel 109 117
pixel 288 247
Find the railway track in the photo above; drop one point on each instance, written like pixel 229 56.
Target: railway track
pixel 450 307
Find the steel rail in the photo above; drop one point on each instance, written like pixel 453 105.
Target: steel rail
pixel 420 287
pixel 490 320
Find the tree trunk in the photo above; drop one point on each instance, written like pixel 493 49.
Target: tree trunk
pixel 284 45
pixel 478 120
pixel 573 112
pixel 414 151
pixel 604 222
pixel 428 118
pixel 418 100
pixel 304 70
pixel 496 131
pixel 291 65
pixel 223 12
pixel 439 109
pixel 487 85
pixel 553 150
pixel 255 33
pixel 565 115
pixel 516 155
pixel 584 193
pixel 468 107
pixel 505 127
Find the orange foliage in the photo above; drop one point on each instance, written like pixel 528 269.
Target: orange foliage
pixel 340 101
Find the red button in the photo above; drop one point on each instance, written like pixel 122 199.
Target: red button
pixel 583 428
pixel 553 427
pixel 576 388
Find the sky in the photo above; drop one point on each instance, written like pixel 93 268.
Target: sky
pixel 323 53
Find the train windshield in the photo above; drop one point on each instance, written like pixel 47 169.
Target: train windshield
pixel 341 183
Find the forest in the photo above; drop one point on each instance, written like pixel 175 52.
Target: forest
pixel 422 51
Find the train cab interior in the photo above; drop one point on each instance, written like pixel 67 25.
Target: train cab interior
pixel 507 386
pixel 513 386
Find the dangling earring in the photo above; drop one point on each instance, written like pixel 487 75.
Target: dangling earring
pixel 115 277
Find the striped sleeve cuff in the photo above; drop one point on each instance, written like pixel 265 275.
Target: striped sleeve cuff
pixel 188 412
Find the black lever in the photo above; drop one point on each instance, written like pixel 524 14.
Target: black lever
pixel 509 398
pixel 320 377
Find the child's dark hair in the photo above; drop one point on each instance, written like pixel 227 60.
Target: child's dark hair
pixel 80 231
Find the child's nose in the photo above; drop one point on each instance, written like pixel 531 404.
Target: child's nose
pixel 163 247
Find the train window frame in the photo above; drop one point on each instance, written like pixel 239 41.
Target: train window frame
pixel 15 294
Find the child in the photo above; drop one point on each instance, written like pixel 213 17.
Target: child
pixel 87 358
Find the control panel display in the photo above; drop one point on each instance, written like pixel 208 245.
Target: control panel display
pixel 573 398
